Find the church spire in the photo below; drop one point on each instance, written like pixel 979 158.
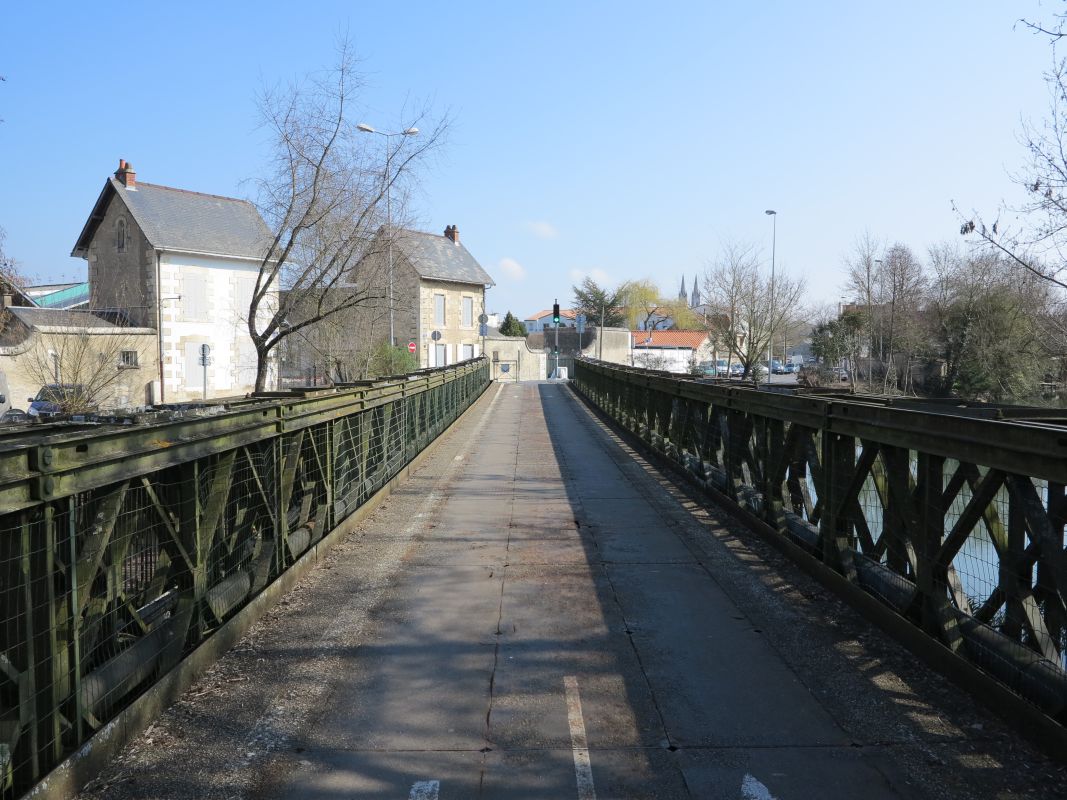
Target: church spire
pixel 695 300
pixel 682 292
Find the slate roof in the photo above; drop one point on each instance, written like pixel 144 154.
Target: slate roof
pixel 438 258
pixel 676 339
pixel 184 221
pixel 58 318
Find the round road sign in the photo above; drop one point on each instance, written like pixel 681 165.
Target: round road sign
pixel 411 347
pixel 483 318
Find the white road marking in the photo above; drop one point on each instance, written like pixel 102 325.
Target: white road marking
pixel 425 790
pixel 583 770
pixel 752 789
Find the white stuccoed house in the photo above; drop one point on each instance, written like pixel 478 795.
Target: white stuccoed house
pixel 184 264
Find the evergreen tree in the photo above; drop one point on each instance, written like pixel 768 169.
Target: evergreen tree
pixel 512 326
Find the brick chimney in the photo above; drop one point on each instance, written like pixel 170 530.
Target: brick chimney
pixel 126 174
pixel 452 234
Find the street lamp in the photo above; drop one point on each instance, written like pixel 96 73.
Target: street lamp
pixel 774 242
pixel 365 128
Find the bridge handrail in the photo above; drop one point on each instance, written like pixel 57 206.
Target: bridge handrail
pixel 125 546
pixel 955 521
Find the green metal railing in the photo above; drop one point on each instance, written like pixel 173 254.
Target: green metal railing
pixel 124 547
pixel 950 516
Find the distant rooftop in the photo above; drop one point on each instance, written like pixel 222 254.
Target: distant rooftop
pixel 672 339
pixel 70 296
pixel 58 318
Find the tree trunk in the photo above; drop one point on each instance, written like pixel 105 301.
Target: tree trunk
pixel 262 365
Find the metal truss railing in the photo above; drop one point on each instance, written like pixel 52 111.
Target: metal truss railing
pixel 124 547
pixel 951 515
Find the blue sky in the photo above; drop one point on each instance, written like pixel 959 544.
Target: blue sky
pixel 619 140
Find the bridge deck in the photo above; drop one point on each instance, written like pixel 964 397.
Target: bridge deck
pixel 533 615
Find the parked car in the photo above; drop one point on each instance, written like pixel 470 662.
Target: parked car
pixel 707 369
pixel 13 415
pixel 737 368
pixel 777 367
pixel 58 398
pixel 790 368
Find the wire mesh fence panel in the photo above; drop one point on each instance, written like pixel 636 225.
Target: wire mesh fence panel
pixel 122 548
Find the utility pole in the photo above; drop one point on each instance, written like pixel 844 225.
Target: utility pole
pixel 774 242
pixel 555 318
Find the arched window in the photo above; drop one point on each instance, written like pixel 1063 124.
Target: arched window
pixel 120 236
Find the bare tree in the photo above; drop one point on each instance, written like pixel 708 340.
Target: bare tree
pixel 747 312
pixel 863 281
pixel 1034 235
pixel 324 198
pixel 88 363
pixel 904 285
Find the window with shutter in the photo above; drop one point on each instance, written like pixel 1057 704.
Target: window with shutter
pixel 195 297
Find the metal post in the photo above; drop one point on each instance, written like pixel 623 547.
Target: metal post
pixel 601 356
pixel 389 233
pixel 557 350
pixel 774 243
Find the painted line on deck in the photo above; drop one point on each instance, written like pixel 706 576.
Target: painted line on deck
pixel 583 770
pixel 425 790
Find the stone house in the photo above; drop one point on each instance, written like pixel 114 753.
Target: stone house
pixel 116 363
pixel 183 264
pixel 437 287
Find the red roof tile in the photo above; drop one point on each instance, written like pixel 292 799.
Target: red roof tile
pixel 691 339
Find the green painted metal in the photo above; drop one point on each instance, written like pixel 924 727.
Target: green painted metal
pixel 952 515
pixel 123 547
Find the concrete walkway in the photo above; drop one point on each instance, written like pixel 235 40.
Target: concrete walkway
pixel 539 613
pixel 555 638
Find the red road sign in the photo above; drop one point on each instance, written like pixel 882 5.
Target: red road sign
pixel 411 347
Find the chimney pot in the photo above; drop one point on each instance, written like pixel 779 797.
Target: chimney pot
pixel 455 235
pixel 126 174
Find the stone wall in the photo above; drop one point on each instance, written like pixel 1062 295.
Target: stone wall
pixel 125 280
pixel 511 359
pixel 98 353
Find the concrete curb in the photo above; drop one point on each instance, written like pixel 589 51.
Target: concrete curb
pixel 81 766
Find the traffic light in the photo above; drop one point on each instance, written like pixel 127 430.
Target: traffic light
pixel 555 313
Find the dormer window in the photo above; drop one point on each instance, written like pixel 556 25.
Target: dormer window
pixel 120 236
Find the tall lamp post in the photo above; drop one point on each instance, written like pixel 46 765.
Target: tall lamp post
pixel 774 242
pixel 365 128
